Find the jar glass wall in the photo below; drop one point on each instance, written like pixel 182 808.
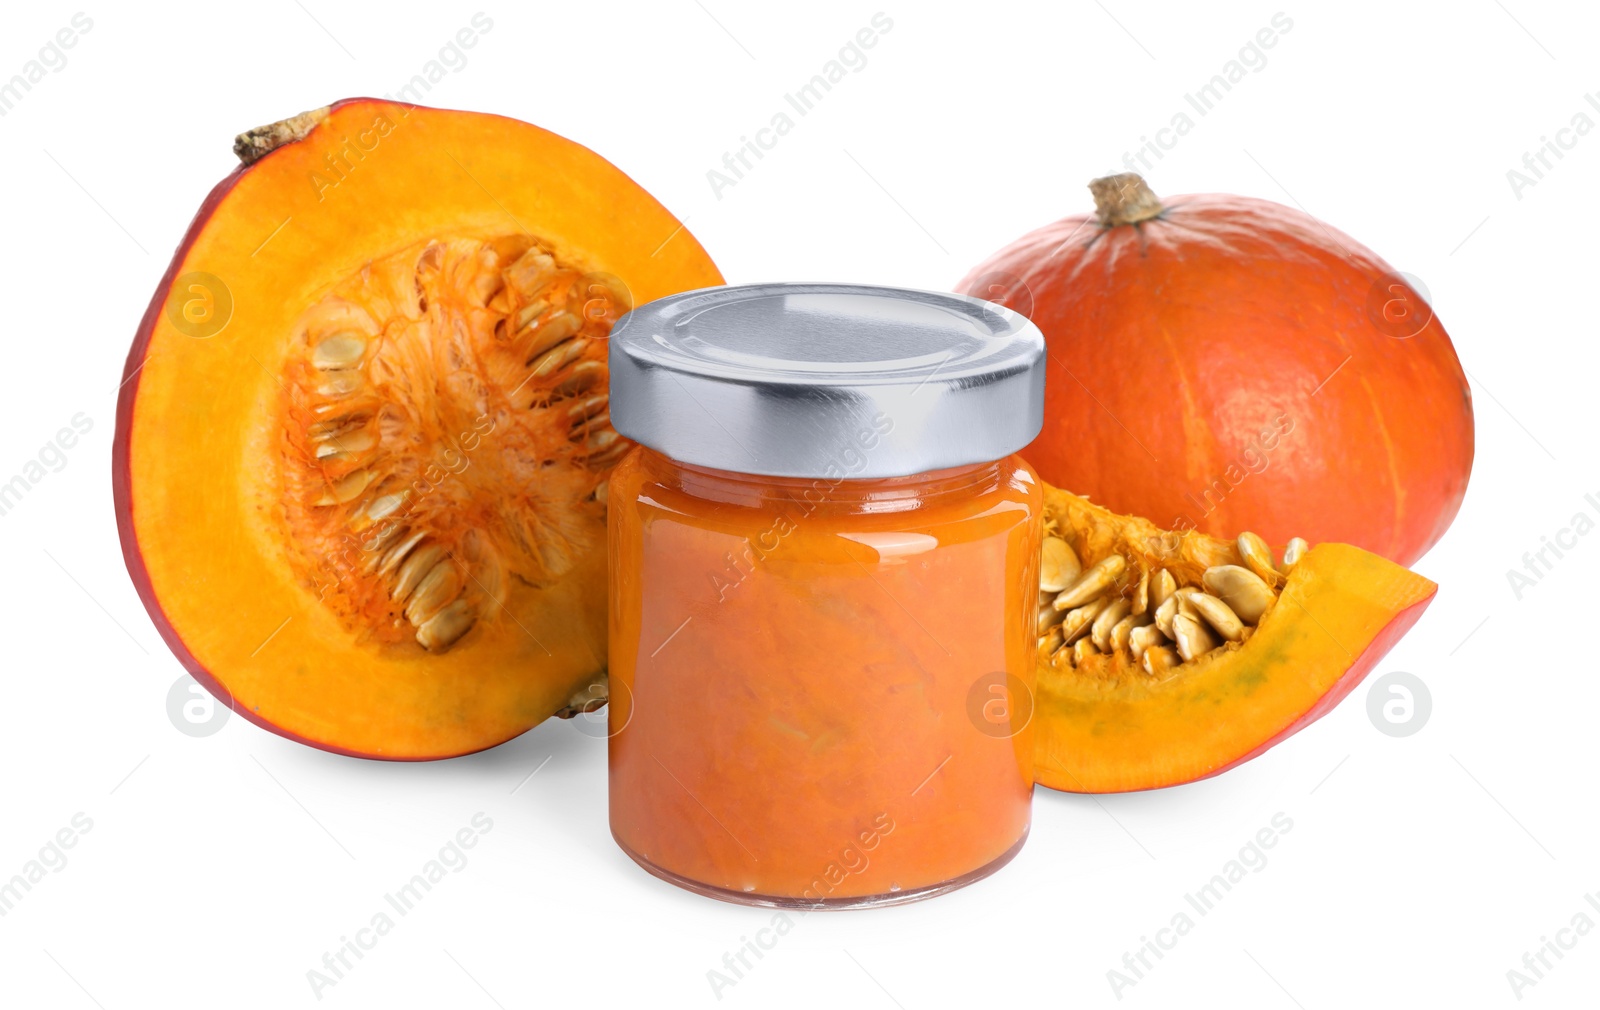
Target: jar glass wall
pixel 821 688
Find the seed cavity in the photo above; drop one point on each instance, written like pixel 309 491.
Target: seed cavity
pixel 446 431
pixel 1098 618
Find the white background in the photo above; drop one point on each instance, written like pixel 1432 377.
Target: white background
pixel 1418 871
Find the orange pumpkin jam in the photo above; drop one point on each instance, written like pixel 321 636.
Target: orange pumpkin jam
pixel 821 689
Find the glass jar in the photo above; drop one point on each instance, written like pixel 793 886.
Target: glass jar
pixel 824 572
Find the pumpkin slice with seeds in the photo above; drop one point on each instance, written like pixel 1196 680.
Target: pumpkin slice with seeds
pixel 1166 657
pixel 364 430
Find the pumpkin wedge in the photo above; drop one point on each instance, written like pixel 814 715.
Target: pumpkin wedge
pixel 363 433
pixel 1168 657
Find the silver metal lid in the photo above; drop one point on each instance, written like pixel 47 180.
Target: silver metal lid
pixel 838 381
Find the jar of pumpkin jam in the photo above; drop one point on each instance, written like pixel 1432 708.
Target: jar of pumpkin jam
pixel 823 582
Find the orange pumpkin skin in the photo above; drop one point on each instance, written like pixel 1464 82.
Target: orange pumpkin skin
pixel 1230 363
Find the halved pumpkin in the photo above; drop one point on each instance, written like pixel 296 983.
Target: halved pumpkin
pixel 363 434
pixel 1140 687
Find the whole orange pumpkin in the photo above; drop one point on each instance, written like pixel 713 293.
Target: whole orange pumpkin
pixel 1227 363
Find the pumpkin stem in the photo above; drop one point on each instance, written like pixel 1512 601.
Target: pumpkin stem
pixel 1123 198
pixel 253 145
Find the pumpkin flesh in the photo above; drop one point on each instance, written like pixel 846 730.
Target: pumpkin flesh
pixel 1109 726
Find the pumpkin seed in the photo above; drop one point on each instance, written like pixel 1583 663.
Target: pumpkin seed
pixel 384 504
pixel 346 488
pixel 346 443
pixel 334 427
pixel 1107 619
pixel 1058 565
pixel 1096 579
pixel 341 383
pixel 528 313
pixel 550 333
pixel 1082 650
pixel 1140 639
pixel 587 408
pixel 1050 642
pixel 419 564
pixel 1158 659
pixel 1165 613
pixel 397 553
pixel 1241 589
pixel 1192 637
pixel 439 587
pixel 532 271
pixel 1183 595
pixel 1049 617
pixel 585 376
pixel 1219 615
pixel 1173 606
pixel 558 357
pixel 1258 558
pixel 442 629
pixel 343 350
pixel 1293 552
pixel 1079 620
pixel 1161 587
pixel 1122 632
